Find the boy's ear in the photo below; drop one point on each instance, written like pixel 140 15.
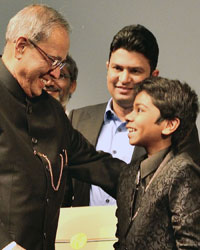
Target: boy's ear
pixel 170 126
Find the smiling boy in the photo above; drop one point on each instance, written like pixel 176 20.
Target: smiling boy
pixel 158 197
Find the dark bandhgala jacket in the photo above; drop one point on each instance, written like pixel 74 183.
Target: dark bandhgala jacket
pixel 168 216
pixel 36 141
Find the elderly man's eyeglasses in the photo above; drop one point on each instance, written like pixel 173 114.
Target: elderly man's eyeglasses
pixel 54 62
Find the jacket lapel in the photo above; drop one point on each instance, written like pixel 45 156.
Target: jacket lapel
pixel 96 121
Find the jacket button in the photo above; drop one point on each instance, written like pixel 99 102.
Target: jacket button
pixel 30 110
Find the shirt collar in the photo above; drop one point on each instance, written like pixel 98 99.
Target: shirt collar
pixel 110 114
pixel 151 163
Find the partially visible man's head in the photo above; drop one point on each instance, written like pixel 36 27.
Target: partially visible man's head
pixel 174 100
pixel 37 43
pixel 133 57
pixel 63 87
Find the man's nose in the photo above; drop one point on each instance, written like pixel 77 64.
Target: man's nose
pixel 49 82
pixel 124 76
pixel 130 116
pixel 55 73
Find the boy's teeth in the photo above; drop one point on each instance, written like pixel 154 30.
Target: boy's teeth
pixel 131 130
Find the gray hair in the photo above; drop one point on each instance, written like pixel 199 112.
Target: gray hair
pixel 35 22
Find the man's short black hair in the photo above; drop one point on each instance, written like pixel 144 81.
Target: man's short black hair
pixel 139 39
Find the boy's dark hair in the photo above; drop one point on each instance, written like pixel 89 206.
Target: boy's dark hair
pixel 139 39
pixel 174 100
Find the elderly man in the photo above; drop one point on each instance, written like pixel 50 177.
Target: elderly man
pixel 37 140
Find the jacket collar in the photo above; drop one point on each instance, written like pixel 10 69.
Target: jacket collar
pixel 9 82
pixel 150 164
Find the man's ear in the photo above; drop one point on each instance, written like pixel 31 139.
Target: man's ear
pixel 170 126
pixel 155 72
pixel 107 64
pixel 20 46
pixel 72 87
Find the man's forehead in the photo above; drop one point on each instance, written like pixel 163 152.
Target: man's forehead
pixel 129 57
pixel 59 42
